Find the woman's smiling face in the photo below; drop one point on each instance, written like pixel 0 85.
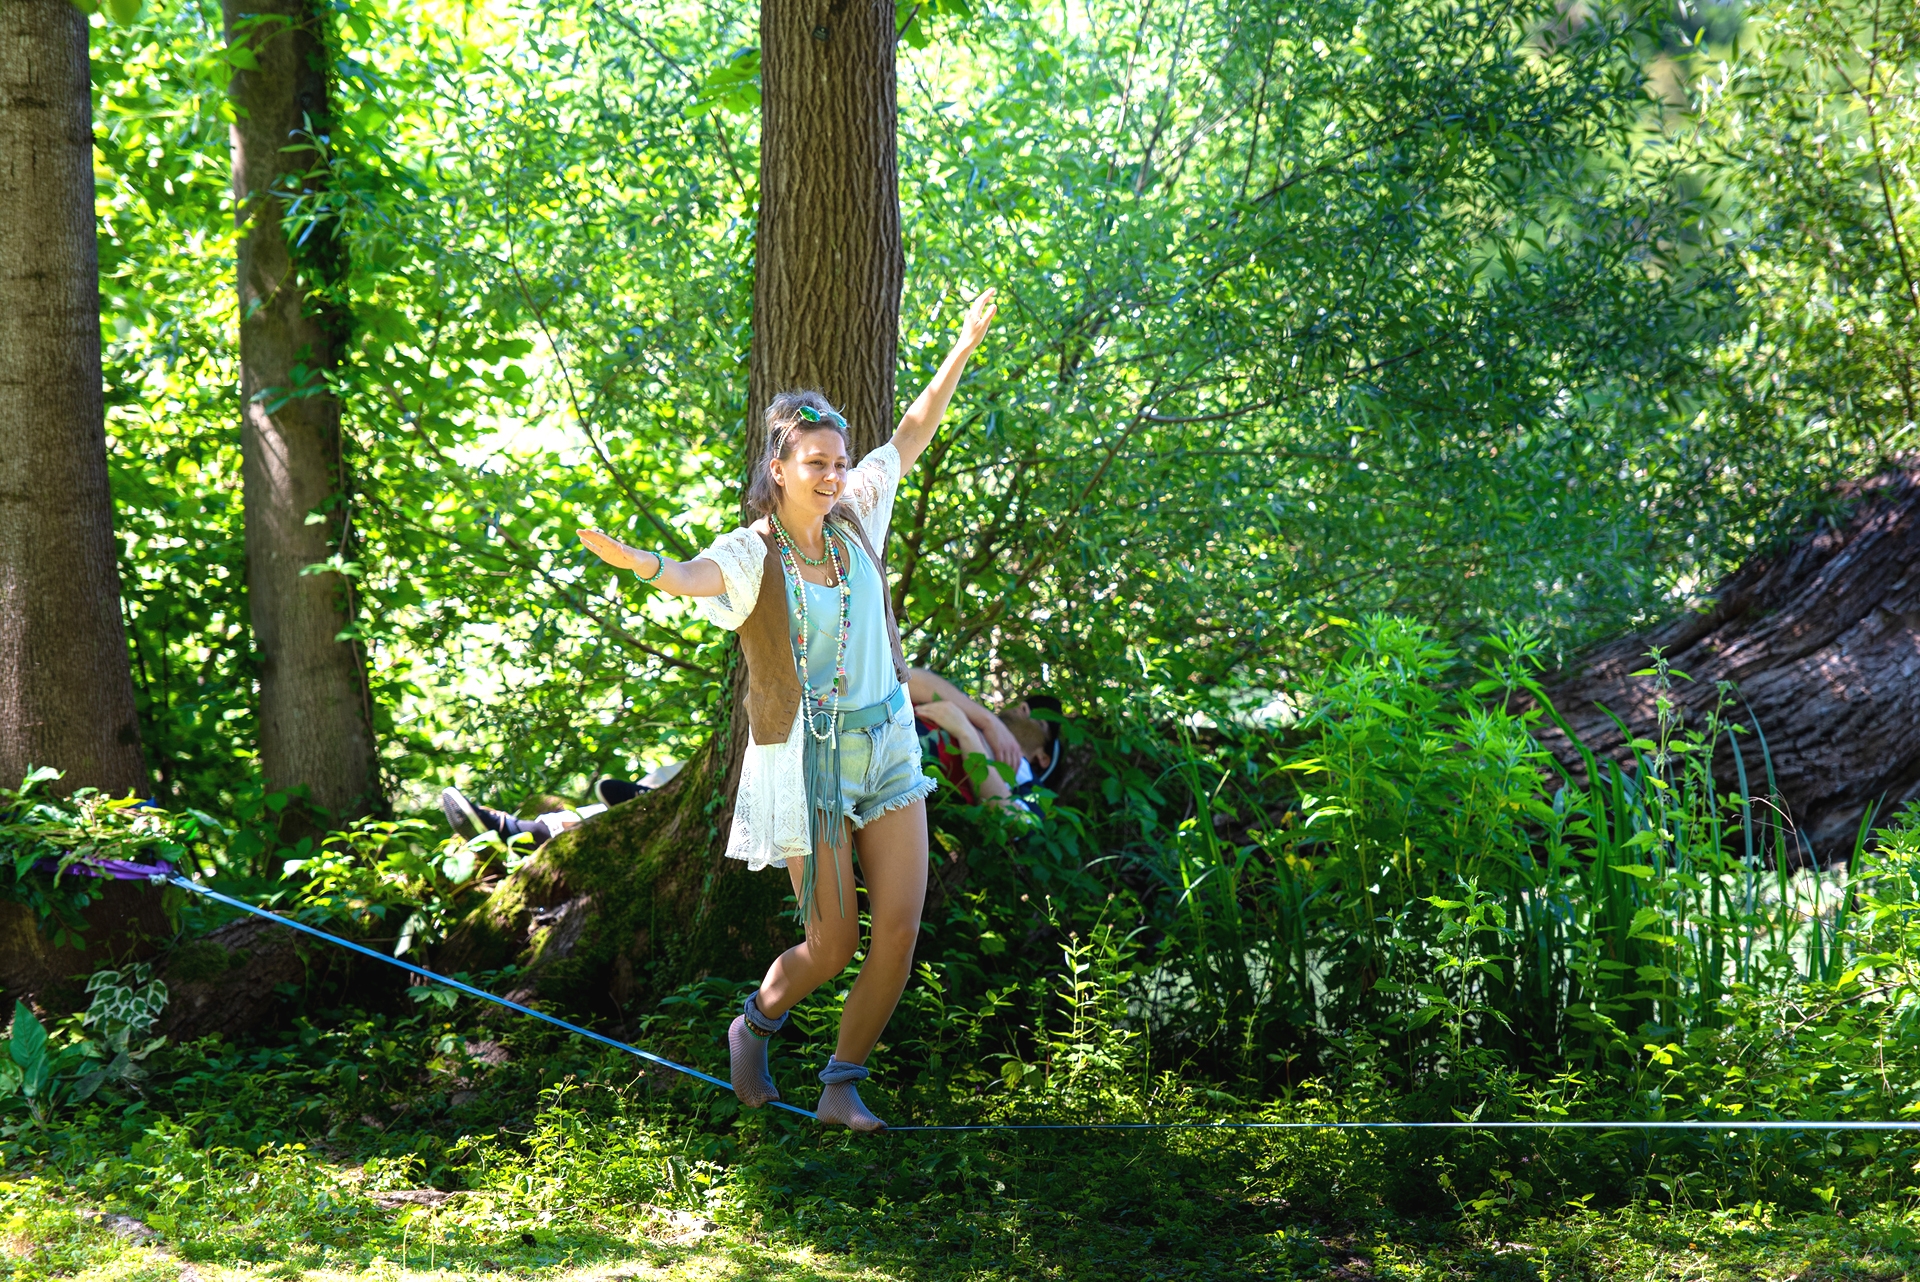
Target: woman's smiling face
pixel 813 473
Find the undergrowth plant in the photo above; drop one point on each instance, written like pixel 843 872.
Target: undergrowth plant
pixel 46 843
pixel 1409 867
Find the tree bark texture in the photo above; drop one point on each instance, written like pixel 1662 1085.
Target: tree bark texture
pixel 827 259
pixel 1821 642
pixel 128 922
pixel 66 690
pixel 251 975
pixel 315 706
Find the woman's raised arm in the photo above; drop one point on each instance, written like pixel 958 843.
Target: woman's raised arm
pixel 916 425
pixel 698 577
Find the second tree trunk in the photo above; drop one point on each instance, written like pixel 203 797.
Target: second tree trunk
pixel 315 709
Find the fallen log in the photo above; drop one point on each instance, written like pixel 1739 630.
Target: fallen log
pixel 1820 642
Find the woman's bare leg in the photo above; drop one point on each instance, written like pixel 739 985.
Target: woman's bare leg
pixel 831 939
pixel 893 857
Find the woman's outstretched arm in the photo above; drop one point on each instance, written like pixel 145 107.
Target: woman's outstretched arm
pixel 698 577
pixel 917 424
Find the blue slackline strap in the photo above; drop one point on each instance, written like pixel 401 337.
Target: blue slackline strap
pixel 468 989
pixel 651 1058
pixel 1418 1126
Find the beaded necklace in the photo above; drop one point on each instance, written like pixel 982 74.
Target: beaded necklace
pixel 780 532
pixel 824 718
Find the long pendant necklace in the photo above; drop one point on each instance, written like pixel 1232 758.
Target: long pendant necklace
pixel 823 717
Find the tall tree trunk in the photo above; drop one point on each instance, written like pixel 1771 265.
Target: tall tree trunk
pixel 828 264
pixel 827 258
pixel 315 707
pixel 66 690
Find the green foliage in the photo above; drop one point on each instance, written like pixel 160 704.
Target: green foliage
pixel 381 868
pixel 43 837
pixel 43 1077
pixel 914 19
pixel 1289 319
pixel 1310 312
pixel 1809 124
pixel 125 1006
pixel 1424 885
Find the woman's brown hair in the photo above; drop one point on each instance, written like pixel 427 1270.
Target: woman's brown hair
pixel 785 422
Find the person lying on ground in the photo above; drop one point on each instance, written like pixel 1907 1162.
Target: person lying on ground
pixel 954 728
pixel 469 820
pixel 832 765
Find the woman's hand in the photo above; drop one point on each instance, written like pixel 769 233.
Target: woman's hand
pixel 698 577
pixel 917 424
pixel 618 554
pixel 974 328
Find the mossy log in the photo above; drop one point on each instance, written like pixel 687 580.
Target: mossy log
pixel 229 982
pixel 619 912
pixel 1819 641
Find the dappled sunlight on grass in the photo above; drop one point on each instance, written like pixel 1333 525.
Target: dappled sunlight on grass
pixel 48 1235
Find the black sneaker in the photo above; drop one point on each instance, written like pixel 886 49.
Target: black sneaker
pixel 469 820
pixel 462 815
pixel 611 792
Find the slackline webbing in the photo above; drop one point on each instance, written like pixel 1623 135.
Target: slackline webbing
pixel 468 989
pixel 651 1058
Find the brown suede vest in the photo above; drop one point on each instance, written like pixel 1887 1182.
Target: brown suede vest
pixel 766 643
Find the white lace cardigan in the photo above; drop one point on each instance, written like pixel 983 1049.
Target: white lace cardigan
pixel 770 810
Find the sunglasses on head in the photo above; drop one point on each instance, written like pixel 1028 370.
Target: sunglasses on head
pixel 813 415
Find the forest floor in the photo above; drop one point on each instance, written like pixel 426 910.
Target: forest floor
pixel 47 1230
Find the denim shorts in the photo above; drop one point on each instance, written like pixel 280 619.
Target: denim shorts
pixel 880 769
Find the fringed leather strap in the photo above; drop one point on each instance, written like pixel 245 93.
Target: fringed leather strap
pixel 826 811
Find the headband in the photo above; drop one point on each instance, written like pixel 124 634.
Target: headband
pixel 807 415
pixel 813 415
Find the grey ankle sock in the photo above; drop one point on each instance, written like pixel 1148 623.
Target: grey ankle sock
pixel 840 1103
pixel 747 1040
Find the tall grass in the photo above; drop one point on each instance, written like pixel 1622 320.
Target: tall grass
pixel 1410 870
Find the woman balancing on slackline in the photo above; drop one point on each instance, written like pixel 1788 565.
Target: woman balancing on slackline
pixel 831 741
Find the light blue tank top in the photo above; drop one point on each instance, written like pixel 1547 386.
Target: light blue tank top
pixel 870 674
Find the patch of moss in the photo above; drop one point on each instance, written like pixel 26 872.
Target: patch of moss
pixel 200 961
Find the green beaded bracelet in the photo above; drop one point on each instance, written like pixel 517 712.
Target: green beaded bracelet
pixel 659 567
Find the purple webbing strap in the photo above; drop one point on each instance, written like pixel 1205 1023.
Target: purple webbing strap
pixel 111 869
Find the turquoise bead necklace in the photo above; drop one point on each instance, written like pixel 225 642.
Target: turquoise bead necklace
pixel 823 717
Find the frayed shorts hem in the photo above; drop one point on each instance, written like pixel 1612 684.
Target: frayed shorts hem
pixel 920 790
